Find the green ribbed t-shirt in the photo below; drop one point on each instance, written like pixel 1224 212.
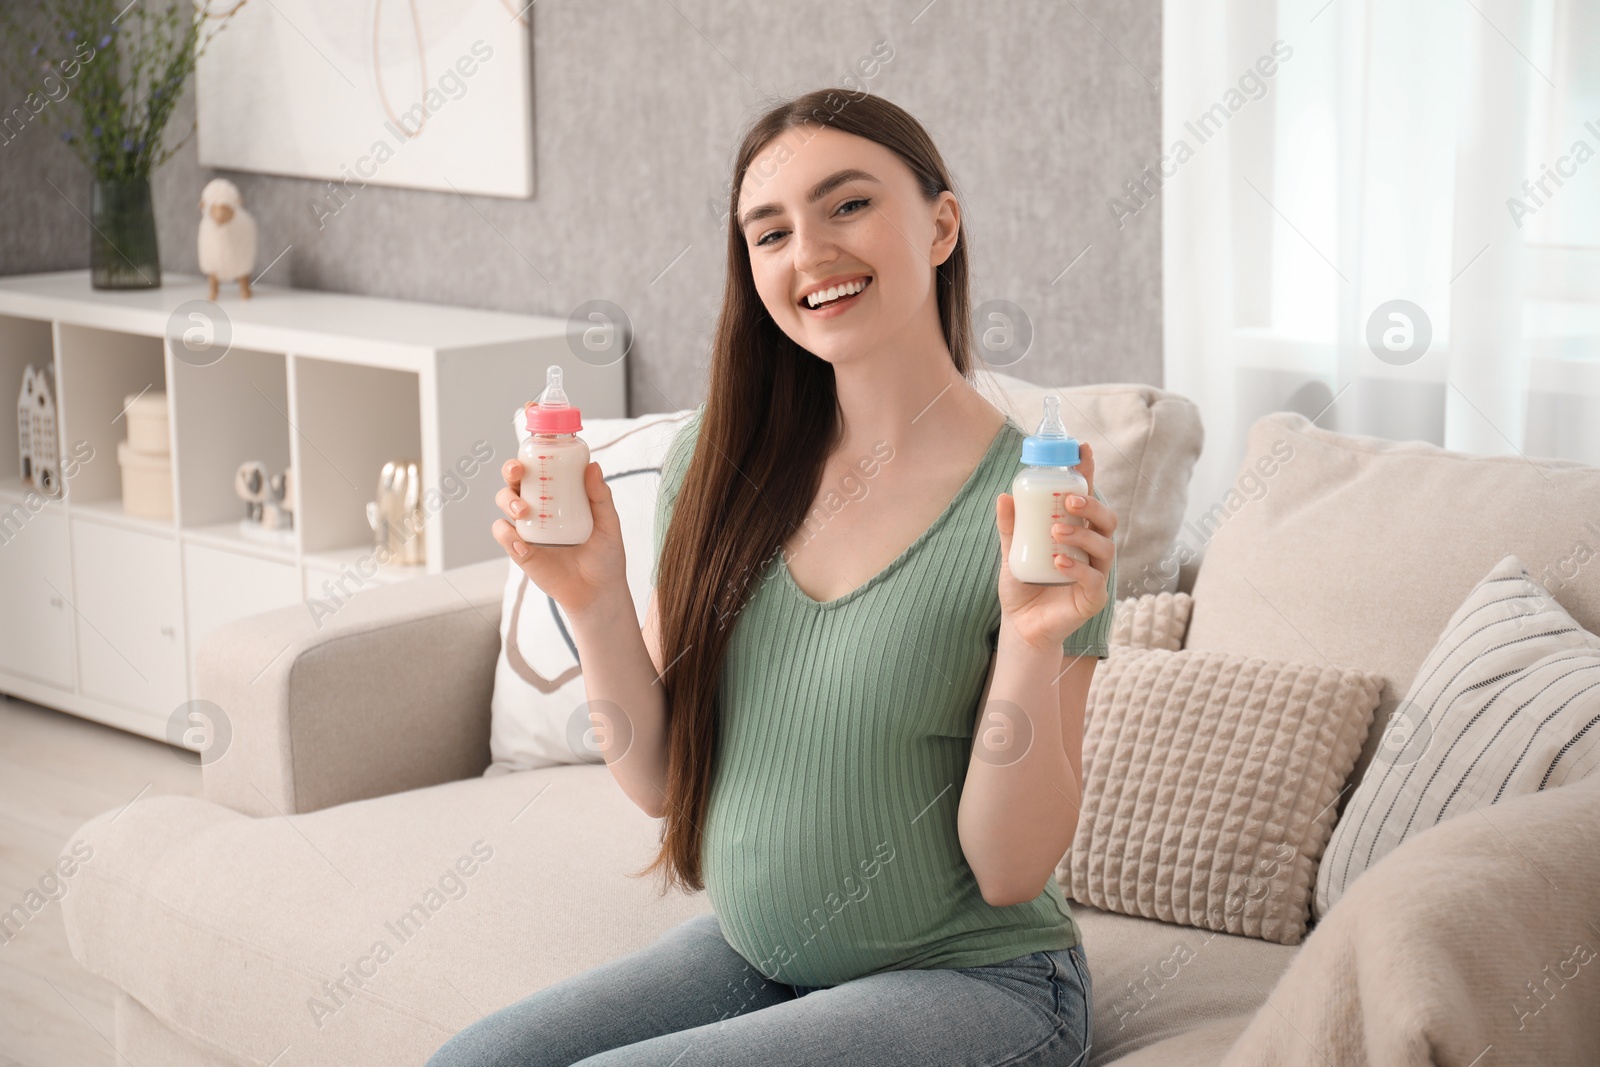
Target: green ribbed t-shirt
pixel 830 847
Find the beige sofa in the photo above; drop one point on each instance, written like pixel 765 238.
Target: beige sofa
pixel 350 809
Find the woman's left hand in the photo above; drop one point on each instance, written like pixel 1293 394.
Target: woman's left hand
pixel 1046 615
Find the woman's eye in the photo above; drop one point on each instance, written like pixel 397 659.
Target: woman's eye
pixel 863 201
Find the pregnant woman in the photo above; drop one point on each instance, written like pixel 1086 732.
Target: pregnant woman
pixel 862 733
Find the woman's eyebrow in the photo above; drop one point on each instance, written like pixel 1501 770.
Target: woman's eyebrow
pixel 820 190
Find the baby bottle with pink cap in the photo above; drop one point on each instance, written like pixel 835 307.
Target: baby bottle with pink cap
pixel 553 459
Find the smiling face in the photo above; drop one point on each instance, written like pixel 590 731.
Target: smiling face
pixel 827 214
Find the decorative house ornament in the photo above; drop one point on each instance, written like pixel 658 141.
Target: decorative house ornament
pixel 38 456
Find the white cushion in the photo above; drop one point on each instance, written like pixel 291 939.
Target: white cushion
pixel 538 714
pixel 1508 702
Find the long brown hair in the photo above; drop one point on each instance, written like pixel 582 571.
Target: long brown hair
pixel 771 419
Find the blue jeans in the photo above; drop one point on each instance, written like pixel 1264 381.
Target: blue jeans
pixel 689 1000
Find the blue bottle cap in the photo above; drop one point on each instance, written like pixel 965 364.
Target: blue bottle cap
pixel 1050 446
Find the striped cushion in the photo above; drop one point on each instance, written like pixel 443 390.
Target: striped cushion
pixel 1508 702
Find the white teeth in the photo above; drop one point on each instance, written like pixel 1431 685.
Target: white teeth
pixel 823 296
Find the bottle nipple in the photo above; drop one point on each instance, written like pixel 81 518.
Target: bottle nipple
pixel 1051 445
pixel 551 414
pixel 1050 426
pixel 554 396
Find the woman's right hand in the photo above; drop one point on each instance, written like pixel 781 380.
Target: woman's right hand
pixel 581 578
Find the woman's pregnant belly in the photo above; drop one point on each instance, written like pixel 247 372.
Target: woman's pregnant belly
pixel 818 878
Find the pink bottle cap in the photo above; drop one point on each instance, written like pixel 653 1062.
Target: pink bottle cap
pixel 553 420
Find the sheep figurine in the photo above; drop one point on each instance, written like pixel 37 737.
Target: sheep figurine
pixel 227 237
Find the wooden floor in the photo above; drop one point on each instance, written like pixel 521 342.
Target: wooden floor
pixel 56 772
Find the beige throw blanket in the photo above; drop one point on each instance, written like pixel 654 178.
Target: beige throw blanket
pixel 1475 944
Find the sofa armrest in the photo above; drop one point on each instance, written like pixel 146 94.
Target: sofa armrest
pixel 391 692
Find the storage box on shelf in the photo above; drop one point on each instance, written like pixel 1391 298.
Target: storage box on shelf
pixel 146 457
pixel 103 609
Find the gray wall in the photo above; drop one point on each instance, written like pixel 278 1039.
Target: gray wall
pixel 1042 110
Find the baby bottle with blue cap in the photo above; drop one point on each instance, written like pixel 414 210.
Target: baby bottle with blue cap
pixel 1049 475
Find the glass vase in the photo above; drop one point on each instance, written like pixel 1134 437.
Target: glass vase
pixel 122 235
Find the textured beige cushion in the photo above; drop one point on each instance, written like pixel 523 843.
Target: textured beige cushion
pixel 1155 620
pixel 1146 441
pixel 1209 787
pixel 1358 550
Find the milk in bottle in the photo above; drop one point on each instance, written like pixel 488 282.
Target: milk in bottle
pixel 553 460
pixel 1040 489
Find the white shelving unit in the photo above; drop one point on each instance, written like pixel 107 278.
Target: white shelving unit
pixel 100 612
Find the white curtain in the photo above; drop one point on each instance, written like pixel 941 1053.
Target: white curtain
pixel 1383 214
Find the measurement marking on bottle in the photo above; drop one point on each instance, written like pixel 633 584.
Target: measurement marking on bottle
pixel 544 477
pixel 1057 513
